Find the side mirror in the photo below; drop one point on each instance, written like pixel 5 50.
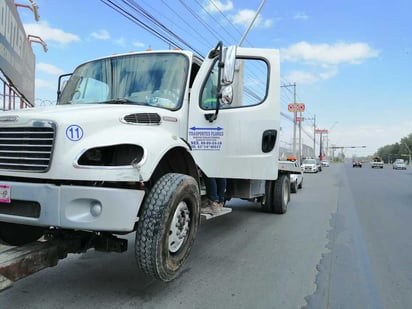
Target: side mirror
pixel 226 95
pixel 229 65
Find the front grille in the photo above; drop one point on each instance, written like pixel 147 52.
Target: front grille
pixel 26 148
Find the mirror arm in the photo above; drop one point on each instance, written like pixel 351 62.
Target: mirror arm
pixel 59 84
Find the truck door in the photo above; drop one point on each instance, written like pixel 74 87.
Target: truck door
pixel 243 141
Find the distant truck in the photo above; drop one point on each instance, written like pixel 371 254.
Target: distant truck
pixel 377 162
pixel 128 146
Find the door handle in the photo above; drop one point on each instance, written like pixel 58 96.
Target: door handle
pixel 269 140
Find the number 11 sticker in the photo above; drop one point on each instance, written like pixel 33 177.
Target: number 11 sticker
pixel 5 194
pixel 74 132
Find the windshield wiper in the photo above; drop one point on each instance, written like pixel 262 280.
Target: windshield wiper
pixel 117 101
pixel 122 101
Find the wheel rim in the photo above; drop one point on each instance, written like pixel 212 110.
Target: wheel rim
pixel 179 227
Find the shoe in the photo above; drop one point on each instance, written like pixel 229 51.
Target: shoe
pixel 213 208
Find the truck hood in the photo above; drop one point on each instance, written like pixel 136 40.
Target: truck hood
pixel 78 128
pixel 80 113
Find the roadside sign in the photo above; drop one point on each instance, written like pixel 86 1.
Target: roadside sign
pixel 296 107
pixel 300 118
pixel 321 131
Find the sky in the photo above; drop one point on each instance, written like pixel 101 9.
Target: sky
pixel 351 60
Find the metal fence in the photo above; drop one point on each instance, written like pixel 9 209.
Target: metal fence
pixel 10 98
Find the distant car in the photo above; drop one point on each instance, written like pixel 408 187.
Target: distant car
pixel 296 182
pixel 377 162
pixel 309 166
pixel 319 165
pixel 356 164
pixel 399 164
pixel 325 163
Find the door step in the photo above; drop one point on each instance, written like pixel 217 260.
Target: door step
pixel 222 211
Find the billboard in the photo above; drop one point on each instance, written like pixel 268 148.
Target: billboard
pixel 17 61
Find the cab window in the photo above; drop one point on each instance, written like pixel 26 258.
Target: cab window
pixel 250 85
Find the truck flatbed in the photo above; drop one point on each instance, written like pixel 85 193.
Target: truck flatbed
pixel 22 261
pixel 19 262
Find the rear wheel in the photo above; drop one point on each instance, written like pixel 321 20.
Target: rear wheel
pixel 294 186
pixel 277 195
pixel 281 195
pixel 167 226
pixel 19 234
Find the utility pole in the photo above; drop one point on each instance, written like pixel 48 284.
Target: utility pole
pixel 251 23
pixel 294 117
pixel 294 120
pixel 314 136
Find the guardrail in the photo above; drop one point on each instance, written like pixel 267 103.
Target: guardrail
pixel 10 98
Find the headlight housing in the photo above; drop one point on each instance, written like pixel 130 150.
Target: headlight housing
pixel 112 156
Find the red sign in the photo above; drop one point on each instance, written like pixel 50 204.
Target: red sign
pixel 296 107
pixel 300 118
pixel 321 131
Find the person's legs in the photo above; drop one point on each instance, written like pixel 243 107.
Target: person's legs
pixel 221 188
pixel 211 189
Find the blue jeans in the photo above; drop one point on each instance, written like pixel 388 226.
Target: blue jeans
pixel 215 189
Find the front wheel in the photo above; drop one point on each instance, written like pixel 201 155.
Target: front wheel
pixel 167 226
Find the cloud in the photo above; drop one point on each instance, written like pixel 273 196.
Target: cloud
pixel 328 54
pixel 216 5
pixel 48 68
pixel 101 35
pixel 138 44
pixel 307 78
pixel 301 16
pixel 45 84
pixel 245 17
pixel 121 42
pixel 47 33
pixel 302 77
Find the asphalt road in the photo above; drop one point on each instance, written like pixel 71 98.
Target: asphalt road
pixel 344 243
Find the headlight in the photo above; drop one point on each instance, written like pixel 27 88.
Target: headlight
pixel 114 155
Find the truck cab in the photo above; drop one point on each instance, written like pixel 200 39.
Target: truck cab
pixel 129 141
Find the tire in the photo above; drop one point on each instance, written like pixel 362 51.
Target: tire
pixel 281 195
pixel 294 187
pixel 266 203
pixel 277 195
pixel 19 234
pixel 167 226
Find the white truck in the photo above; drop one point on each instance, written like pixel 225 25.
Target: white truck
pixel 126 150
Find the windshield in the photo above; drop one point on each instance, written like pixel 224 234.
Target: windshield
pixel 155 79
pixel 309 161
